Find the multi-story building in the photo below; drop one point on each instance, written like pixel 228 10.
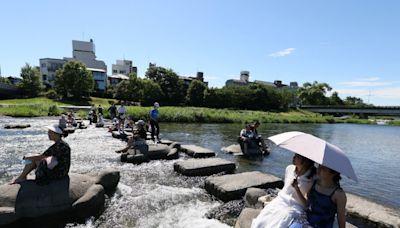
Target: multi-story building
pixel 188 79
pixel 48 68
pixel 244 79
pixel 124 67
pixel 84 52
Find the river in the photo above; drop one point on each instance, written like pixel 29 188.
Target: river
pixel 153 195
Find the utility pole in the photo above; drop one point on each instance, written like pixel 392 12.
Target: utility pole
pixel 369 95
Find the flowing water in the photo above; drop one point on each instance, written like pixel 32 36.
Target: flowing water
pixel 153 195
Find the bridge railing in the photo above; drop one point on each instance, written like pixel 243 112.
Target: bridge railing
pixel 347 107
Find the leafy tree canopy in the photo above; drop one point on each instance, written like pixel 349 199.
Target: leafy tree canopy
pixel 74 80
pixel 31 84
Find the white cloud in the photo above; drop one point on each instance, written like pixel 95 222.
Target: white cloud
pixel 365 83
pixel 368 82
pixel 384 96
pixel 282 53
pixel 370 79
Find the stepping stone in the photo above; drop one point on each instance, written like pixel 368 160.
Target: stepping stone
pixel 118 135
pixel 234 186
pixel 197 151
pixel 204 167
pixel 70 130
pixel 246 217
pixel 16 126
pixel 376 215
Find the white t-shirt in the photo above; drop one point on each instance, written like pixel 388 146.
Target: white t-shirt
pixel 121 109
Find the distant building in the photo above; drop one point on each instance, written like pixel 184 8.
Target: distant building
pixel 188 79
pixel 48 68
pixel 114 79
pixel 124 67
pixel 14 80
pixel 244 80
pixel 83 52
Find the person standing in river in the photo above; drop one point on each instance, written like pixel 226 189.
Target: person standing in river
pixel 113 111
pixel 154 115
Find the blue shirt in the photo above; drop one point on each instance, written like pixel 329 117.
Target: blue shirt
pixel 154 114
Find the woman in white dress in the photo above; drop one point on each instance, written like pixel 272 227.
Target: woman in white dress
pixel 287 206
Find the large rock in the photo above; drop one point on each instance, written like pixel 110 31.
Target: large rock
pixel 197 151
pixel 155 152
pixel 251 197
pixel 73 198
pixel 16 126
pixel 369 212
pixel 234 186
pixel 204 167
pixel 246 217
pixel 123 135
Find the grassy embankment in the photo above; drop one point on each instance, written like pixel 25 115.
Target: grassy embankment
pixel 35 107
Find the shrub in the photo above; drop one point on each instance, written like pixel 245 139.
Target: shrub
pixel 51 94
pixel 54 111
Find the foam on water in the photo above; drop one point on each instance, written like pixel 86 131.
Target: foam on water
pixel 148 195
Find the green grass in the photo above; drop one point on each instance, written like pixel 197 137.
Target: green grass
pixel 40 107
pixel 209 115
pixel 394 122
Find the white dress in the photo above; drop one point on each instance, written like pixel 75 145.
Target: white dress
pixel 282 210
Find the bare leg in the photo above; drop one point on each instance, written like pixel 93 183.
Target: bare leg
pixel 27 169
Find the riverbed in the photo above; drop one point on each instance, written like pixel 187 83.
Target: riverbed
pixel 153 195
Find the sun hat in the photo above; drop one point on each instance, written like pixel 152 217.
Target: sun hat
pixel 140 122
pixel 55 128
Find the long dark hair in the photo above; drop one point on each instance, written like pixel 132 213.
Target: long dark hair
pixel 310 166
pixel 336 178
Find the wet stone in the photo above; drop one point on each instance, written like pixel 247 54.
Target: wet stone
pixel 16 126
pixel 234 186
pixel 197 151
pixel 204 167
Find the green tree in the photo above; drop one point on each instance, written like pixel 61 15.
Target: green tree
pixel 173 88
pixel 195 93
pixel 31 84
pixel 4 80
pixel 335 99
pixel 151 92
pixel 122 90
pixel 354 101
pixel 74 80
pixel 314 94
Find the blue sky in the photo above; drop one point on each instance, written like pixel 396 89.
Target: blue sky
pixel 351 45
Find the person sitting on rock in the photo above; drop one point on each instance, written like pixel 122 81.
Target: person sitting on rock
pixel 62 122
pixel 71 120
pixel 52 164
pixel 138 139
pixel 258 137
pixel 141 129
pixel 100 123
pixel 134 142
pixel 245 137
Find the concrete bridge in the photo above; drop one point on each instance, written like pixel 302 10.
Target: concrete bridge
pixel 363 112
pixel 8 91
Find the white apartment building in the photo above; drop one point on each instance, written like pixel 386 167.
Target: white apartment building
pixel 124 67
pixel 48 68
pixel 84 52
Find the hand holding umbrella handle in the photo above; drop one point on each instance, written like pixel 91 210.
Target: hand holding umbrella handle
pixel 295 184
